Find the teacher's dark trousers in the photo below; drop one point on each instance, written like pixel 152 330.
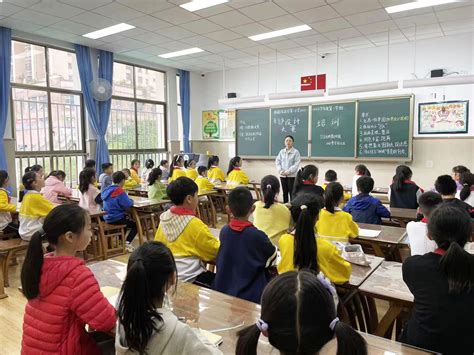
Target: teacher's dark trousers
pixel 287 187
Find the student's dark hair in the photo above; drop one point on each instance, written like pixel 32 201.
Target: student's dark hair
pixel 149 163
pixel 3 177
pixel 178 189
pixel 365 184
pixel 150 271
pixel 85 179
pixel 304 174
pixel 28 179
pixel 163 162
pixel 175 161
pixel 402 173
pixel 240 201
pixel 270 186
pixel 90 163
pixel 57 174
pixel 304 210
pixel 428 202
pixel 126 170
pixel 361 169
pixel 450 227
pixel 299 309
pixel 288 136
pixel 154 176
pixel 35 168
pixel 330 176
pixel 118 177
pixel 202 169
pixel 187 163
pixel 460 169
pixel 232 163
pixel 333 195
pixel 214 160
pixel 133 162
pixel 106 166
pixel 467 181
pixel 445 185
pixel 62 219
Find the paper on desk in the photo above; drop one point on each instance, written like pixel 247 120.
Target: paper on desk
pixel 368 233
pixel 111 293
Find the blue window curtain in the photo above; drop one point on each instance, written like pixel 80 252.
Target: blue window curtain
pixel 99 112
pixel 185 98
pixel 5 65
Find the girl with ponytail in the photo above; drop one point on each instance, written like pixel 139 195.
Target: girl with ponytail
pixel 303 250
pixel 270 216
pixel 442 283
pixel 403 192
pixel 145 326
pixel 63 294
pixel 467 192
pixel 235 176
pixel 298 316
pixel 306 180
pixel 215 174
pixel 177 168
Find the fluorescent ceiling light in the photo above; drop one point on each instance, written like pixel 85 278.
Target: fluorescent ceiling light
pixel 295 95
pixel 109 31
pixel 389 85
pixel 283 32
pixel 201 4
pixel 417 5
pixel 242 100
pixel 447 80
pixel 180 53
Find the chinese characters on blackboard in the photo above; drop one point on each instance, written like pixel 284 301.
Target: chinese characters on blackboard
pixel 249 132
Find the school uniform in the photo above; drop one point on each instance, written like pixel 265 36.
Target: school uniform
pixel 134 176
pixel 440 321
pixel 33 210
pixel 366 209
pixel 6 210
pixel 215 174
pixel 177 173
pixel 192 174
pixel 145 174
pixel 417 233
pixel 165 173
pixel 157 191
pixel 88 200
pixel 237 177
pixel 337 226
pixel 54 187
pixel 244 254
pixel 470 199
pixel 459 204
pixel 203 184
pixel 130 184
pixel 347 195
pixel 273 221
pixel 308 187
pixel 355 190
pixel 105 181
pixel 329 258
pixel 406 197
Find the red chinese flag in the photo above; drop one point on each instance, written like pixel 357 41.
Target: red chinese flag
pixel 308 82
pixel 321 82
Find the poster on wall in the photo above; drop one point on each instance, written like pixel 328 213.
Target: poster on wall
pixel 210 124
pixel 227 124
pixel 443 117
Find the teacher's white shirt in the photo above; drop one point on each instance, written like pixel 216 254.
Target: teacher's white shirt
pixel 288 160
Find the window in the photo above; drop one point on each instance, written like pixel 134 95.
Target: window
pixel 47 109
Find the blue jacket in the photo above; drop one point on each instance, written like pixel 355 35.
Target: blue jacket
pixel 366 209
pixel 116 203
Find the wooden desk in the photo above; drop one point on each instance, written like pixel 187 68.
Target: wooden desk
pixel 404 215
pixel 386 243
pixel 361 273
pixel 140 204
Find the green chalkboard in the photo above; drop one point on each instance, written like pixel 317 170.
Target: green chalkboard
pixel 253 127
pixel 384 128
pixel 333 130
pixel 291 121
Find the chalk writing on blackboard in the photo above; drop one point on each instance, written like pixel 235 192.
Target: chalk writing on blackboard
pixel 287 124
pixel 249 132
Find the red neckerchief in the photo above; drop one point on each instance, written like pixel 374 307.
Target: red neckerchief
pixel 135 170
pixel 176 167
pixel 117 191
pixel 308 182
pixel 439 251
pixel 182 211
pixel 239 226
pixel 214 166
pixel 238 169
pixel 424 220
pixel 359 174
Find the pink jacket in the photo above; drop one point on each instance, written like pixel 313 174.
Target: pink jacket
pixel 87 200
pixel 54 187
pixel 69 298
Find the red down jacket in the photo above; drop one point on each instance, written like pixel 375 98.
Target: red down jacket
pixel 69 298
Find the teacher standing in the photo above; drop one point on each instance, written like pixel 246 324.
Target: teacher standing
pixel 287 163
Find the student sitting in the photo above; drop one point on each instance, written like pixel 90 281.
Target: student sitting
pixel 165 169
pixel 146 325
pixel 456 174
pixel 331 176
pixel 63 295
pixel 442 283
pixel 202 180
pixel 215 174
pixel 446 186
pixel 116 204
pixel 306 180
pixel 134 167
pixel 177 169
pixel 6 207
pixel 189 239
pixel 54 186
pixel 191 171
pixel 363 207
pixel 129 182
pixel 90 163
pixel 360 170
pixel 303 250
pixel 105 179
pixel 245 252
pixel 235 176
pixel 270 216
pixel 38 169
pixel 334 224
pixel 149 164
pixel 417 232
pixel 34 207
pixel 403 192
pixel 298 316
pixel 156 189
pixel 90 195
pixel 467 192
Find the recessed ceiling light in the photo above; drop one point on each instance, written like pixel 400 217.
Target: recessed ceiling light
pixel 180 53
pixel 109 31
pixel 283 32
pixel 201 4
pixel 417 5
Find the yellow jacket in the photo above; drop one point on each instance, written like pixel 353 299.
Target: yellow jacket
pixel 237 177
pixel 274 221
pixel 215 173
pixel 347 195
pixel 330 261
pixel 134 176
pixel 34 208
pixel 203 184
pixel 6 209
pixel 177 173
pixel 192 174
pixel 337 226
pixel 130 183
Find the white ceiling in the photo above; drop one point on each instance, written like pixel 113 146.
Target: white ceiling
pixel 162 26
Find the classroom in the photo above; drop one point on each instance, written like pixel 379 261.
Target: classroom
pixel 237 177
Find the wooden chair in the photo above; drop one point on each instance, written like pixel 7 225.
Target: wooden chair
pixel 357 310
pixel 112 239
pixel 94 250
pixel 148 221
pixel 8 248
pixel 207 212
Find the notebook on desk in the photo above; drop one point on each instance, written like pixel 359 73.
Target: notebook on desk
pixel 214 339
pixel 369 233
